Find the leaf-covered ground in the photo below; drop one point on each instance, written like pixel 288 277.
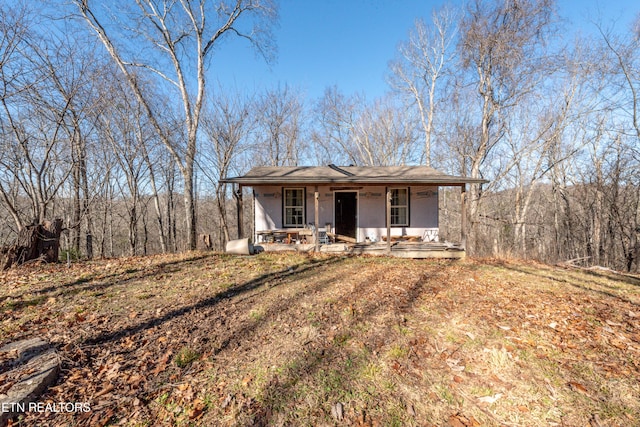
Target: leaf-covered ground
pixel 292 339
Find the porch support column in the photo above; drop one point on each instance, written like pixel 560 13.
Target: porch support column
pixel 388 203
pixel 316 218
pixel 239 211
pixel 463 216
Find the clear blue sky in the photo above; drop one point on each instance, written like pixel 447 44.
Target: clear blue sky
pixel 348 43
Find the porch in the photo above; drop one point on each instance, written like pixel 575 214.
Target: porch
pixel 399 249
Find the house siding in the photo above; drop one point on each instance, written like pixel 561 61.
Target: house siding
pixel 423 214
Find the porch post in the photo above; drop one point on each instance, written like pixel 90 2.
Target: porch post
pixel 463 216
pixel 316 218
pixel 388 221
pixel 239 211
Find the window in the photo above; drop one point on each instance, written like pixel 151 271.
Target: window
pixel 400 207
pixel 293 207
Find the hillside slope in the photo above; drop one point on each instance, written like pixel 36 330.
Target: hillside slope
pixel 290 339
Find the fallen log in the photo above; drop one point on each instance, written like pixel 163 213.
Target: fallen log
pixel 572 262
pixel 33 365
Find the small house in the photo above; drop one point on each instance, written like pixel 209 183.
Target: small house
pixel 369 209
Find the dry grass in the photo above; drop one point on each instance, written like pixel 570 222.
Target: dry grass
pixel 210 339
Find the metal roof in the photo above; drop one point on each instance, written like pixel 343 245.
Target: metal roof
pixel 332 174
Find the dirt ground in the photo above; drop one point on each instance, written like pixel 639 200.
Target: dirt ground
pixel 297 339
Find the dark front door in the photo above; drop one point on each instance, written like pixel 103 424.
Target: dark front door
pixel 346 213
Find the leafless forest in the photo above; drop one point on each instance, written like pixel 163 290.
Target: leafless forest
pixel 113 121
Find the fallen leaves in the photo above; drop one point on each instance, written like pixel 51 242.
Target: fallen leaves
pixel 247 380
pixel 579 388
pixel 197 409
pixel 454 365
pixel 329 344
pixel 107 389
pixel 459 420
pixel 162 363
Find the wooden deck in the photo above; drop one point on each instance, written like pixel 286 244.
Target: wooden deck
pixel 398 249
pixel 411 250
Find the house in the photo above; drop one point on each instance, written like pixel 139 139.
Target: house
pixel 371 208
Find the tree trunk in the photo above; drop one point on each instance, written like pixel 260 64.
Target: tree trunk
pixel 77 209
pixel 190 209
pixel 239 211
pixel 145 231
pixel 224 226
pixel 86 207
pixel 36 241
pixel 49 240
pixel 172 241
pixel 133 229
pixel 156 202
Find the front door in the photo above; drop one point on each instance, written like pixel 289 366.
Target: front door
pixel 346 213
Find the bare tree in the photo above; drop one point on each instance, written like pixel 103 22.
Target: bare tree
pixel 334 116
pixel 529 143
pixel 227 126
pixel 183 35
pixel 145 151
pixel 279 126
pixel 36 110
pixel 622 70
pixel 422 61
pixel 503 46
pixel 624 54
pixel 75 71
pixel 384 135
pixel 354 131
pixel 13 31
pixel 123 128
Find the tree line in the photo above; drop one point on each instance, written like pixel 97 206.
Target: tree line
pixel 112 120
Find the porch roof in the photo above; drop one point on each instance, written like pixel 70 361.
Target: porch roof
pixel 332 174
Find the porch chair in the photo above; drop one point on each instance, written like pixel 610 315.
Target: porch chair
pixel 323 238
pixel 430 236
